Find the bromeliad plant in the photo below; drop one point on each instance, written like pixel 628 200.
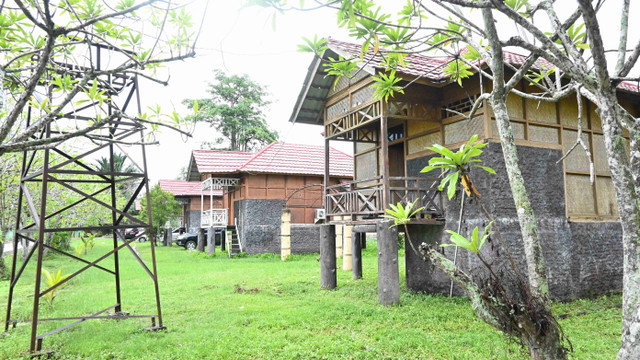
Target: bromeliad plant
pixel 458 166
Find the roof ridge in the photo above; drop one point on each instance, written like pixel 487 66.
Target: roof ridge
pixel 256 155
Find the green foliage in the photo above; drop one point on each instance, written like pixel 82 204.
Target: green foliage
pixel 577 35
pixel 401 214
pixel 385 85
pixel 61 240
pixel 40 41
pixel 316 46
pixel 52 280
pixel 457 165
pixel 340 68
pixel 88 243
pixel 163 207
pixel 119 164
pixel 235 109
pixel 458 70
pixel 476 241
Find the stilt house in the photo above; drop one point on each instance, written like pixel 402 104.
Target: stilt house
pixel 578 221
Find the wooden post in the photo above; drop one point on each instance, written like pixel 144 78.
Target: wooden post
pixel 200 246
pixel 223 239
pixel 339 237
pixel 357 255
pixel 328 276
pixel 211 241
pixel 327 177
pixel 346 247
pixel 384 148
pixel 388 272
pixel 285 234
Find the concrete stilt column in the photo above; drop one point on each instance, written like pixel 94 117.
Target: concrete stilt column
pixel 211 241
pixel 328 277
pixel 285 234
pixel 388 271
pixel 339 237
pixel 200 246
pixel 357 255
pixel 346 249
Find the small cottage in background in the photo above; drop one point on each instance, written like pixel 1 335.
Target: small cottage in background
pixel 247 192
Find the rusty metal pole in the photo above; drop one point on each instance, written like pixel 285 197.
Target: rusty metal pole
pixel 35 346
pixel 151 235
pixel 15 234
pixel 114 219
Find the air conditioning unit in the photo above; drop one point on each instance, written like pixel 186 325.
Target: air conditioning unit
pixel 320 216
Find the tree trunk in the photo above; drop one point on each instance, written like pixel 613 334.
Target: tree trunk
pixel 627 199
pixel 529 228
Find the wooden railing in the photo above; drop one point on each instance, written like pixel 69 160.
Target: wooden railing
pixel 214 217
pixel 363 198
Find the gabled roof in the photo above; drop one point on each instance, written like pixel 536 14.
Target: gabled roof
pixel 315 89
pixel 281 158
pixel 276 158
pixel 185 188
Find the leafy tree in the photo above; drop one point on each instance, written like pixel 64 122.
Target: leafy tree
pixel 163 207
pixel 38 41
pixel 235 110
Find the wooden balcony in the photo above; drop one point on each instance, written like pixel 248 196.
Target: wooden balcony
pixel 361 201
pixel 214 217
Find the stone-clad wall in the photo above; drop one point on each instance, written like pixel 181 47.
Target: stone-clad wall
pixel 583 258
pixel 193 217
pixel 259 227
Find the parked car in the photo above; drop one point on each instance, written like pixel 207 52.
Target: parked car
pixel 131 233
pixel 190 240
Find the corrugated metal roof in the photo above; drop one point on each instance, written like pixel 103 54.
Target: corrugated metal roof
pixel 185 188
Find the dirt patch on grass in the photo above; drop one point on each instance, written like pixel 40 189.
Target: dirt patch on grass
pixel 239 289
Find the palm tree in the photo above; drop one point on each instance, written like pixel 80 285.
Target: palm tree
pixel 118 164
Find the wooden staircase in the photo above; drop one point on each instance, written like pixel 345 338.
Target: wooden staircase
pixel 234 246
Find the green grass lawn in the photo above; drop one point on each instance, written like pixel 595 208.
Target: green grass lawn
pixel 287 317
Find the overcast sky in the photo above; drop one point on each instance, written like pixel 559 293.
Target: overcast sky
pixel 243 41
pixel 239 41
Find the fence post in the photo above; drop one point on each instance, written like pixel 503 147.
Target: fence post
pixel 211 241
pixel 338 232
pixel 328 276
pixel 285 234
pixel 388 272
pixel 347 258
pixel 200 246
pixel 357 254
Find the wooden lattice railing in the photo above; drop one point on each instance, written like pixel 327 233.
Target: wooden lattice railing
pixel 364 197
pixel 214 217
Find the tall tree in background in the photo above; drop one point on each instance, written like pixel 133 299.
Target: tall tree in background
pixel 235 110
